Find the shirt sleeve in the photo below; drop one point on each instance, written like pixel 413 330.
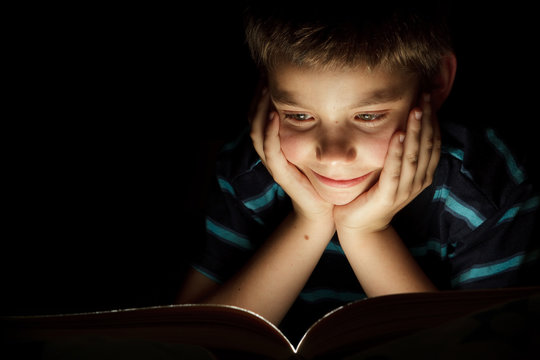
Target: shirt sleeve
pixel 229 233
pixel 244 206
pixel 503 250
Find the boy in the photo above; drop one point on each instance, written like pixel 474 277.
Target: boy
pixel 347 187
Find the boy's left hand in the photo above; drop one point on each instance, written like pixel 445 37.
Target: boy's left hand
pixel 408 169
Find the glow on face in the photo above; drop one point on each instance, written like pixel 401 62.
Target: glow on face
pixel 335 126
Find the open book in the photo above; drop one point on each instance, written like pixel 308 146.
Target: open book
pixel 231 332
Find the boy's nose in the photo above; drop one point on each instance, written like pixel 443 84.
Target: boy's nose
pixel 335 149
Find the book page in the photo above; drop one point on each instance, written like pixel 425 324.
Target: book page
pixel 230 330
pixel 505 331
pixel 216 327
pixel 374 321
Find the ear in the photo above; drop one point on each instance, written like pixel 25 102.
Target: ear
pixel 444 80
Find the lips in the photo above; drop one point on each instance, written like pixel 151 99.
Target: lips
pixel 341 183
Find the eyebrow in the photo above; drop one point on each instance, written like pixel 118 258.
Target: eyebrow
pixel 284 97
pixel 376 97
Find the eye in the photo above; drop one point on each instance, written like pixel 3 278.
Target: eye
pixel 369 117
pixel 298 117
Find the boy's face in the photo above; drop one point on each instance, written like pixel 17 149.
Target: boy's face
pixel 335 126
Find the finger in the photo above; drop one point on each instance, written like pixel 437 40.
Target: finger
pixel 411 148
pixel 283 172
pixel 292 180
pixel 426 145
pixel 391 172
pixel 258 124
pixel 435 153
pixel 272 145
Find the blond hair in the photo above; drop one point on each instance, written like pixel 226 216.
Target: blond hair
pixel 340 34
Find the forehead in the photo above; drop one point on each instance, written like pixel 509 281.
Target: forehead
pixel 291 84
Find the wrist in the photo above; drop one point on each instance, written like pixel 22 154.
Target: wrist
pixel 323 217
pixel 365 223
pixel 358 235
pixel 321 223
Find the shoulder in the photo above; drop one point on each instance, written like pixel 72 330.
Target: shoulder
pixel 481 161
pixel 241 174
pixel 237 157
pixel 483 208
pixel 480 178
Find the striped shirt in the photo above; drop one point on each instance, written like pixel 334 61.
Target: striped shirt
pixel 473 227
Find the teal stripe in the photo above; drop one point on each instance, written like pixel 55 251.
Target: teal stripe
pixel 328 294
pixel 457 153
pixel 260 202
pixel 207 273
pixel 226 186
pixel 486 270
pixel 228 235
pixel 509 215
pixel 531 204
pixel 458 208
pixel 334 248
pixel 254 164
pixel 528 205
pixel 513 167
pixel 441 193
pixel 258 219
pixel 431 245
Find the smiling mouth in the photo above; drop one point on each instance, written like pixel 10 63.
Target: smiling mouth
pixel 341 183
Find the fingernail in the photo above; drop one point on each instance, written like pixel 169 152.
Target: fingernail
pixel 401 138
pixel 418 114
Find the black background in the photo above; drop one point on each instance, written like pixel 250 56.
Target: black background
pixel 111 119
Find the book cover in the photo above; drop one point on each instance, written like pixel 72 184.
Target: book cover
pixel 231 332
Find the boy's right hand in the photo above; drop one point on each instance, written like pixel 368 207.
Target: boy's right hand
pixel 265 136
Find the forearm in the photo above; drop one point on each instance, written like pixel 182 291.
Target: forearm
pixel 383 264
pixel 271 281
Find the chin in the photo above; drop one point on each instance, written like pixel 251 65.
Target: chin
pixel 339 199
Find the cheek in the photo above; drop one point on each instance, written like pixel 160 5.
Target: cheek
pixel 374 148
pixel 379 144
pixel 295 146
